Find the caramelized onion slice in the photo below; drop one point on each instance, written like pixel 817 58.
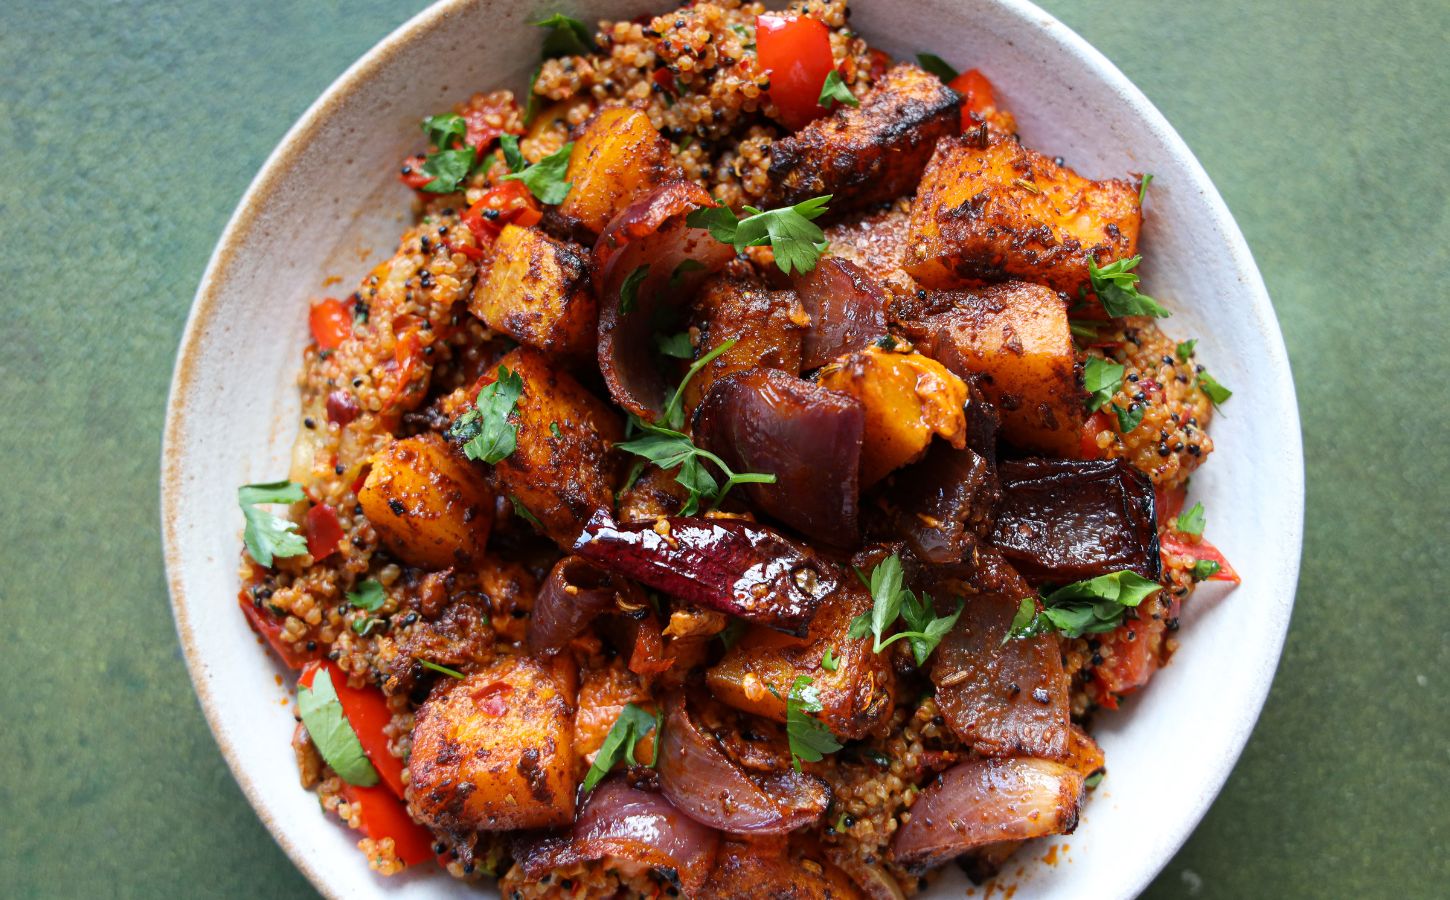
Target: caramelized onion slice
pixel 575 592
pixel 705 784
pixel 984 801
pixel 625 823
pixel 807 436
pixel 729 565
pixel 943 503
pixel 650 237
pixel 847 309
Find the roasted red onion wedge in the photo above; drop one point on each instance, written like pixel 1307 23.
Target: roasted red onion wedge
pixel 640 259
pixel 942 504
pixel 984 801
pixel 704 783
pixel 1063 520
pixel 628 826
pixel 847 309
pixel 575 592
pixel 729 565
pixel 1003 698
pixel 808 437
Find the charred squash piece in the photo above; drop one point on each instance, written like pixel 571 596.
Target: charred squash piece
pixel 618 157
pixel 750 870
pixel 429 505
pixel 1016 337
pixel 869 154
pixel 1063 520
pixel 766 326
pixel 995 210
pixel 537 291
pixel 757 673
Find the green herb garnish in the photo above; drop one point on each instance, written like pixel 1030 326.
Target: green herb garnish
pixel 1192 520
pixel 685 266
pixel 1093 780
pixel 1215 391
pixel 1185 349
pixel 1116 285
pixel 1085 607
pixel 1102 380
pixel 486 431
pixel 545 178
pixel 451 673
pixel 937 66
pixel 890 601
pixel 267 535
pixel 331 733
pixel 829 660
pixel 1143 186
pixel 629 729
pixel 745 34
pixel 835 91
pixel 513 157
pixel 1129 417
pixel 567 37
pixel 364 626
pixel 810 740
pixel 629 291
pixel 448 169
pixel 368 596
pixel 797 241
pixel 1204 569
pixel 523 513
pixel 445 132
pixel 676 345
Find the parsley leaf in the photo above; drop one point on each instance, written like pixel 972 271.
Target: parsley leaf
pixel 890 601
pixel 545 178
pixel 331 733
pixel 676 345
pixel 809 739
pixel 835 91
pixel 567 37
pixel 829 660
pixel 1185 349
pixel 1204 569
pixel 1094 779
pixel 1084 607
pixel 1101 379
pixel 364 626
pixel 429 664
pixel 513 157
pixel 554 430
pixel 1215 391
pixel 1143 186
pixel 629 729
pixel 1116 285
pixel 369 596
pixel 678 275
pixel 629 291
pixel 267 535
pixel 535 102
pixel 443 131
pixel 448 168
pixel 523 513
pixel 1192 521
pixel 937 66
pixel 1130 417
pixel 485 430
pixel 797 240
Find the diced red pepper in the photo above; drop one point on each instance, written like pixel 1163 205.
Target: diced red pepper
pixel 796 50
pixel 1202 550
pixel 412 174
pixel 406 353
pixel 367 712
pixel 324 531
pixel 978 100
pixel 342 408
pixel 509 203
pixel 1097 422
pixel 382 815
pixel 265 623
pixel 476 115
pixel 880 62
pixel 331 323
pixel 665 79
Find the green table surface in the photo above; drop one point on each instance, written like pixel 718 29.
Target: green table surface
pixel 130 128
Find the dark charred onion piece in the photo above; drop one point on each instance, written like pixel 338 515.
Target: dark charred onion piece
pixel 983 423
pixel 705 784
pixel 575 592
pixel 1002 698
pixel 649 232
pixel 728 565
pixel 847 309
pixel 943 504
pixel 983 801
pixel 625 823
pixel 808 437
pixel 1065 520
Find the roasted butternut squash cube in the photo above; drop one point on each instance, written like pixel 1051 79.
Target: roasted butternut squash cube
pixel 907 398
pixel 562 468
pixel 537 292
pixel 495 751
pixel 995 211
pixel 1016 337
pixel 618 156
pixel 429 505
pixel 757 673
pixel 767 327
pixel 869 154
pixel 603 695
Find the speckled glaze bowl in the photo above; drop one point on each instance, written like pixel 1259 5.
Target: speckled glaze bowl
pixel 328 201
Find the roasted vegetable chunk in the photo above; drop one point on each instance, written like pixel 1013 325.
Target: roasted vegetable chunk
pixel 562 469
pixel 495 751
pixel 752 870
pixel 999 211
pixel 1016 337
pixel 757 673
pixel 868 154
pixel 618 157
pixel 429 505
pixel 846 307
pixel 767 327
pixel 907 398
pixel 537 292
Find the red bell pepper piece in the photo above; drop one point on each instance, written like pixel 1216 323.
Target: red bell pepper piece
pixel 367 712
pixel 324 531
pixel 383 815
pixel 1202 550
pixel 509 203
pixel 269 626
pixel 331 323
pixel 476 115
pixel 796 50
pixel 978 100
pixel 1095 423
pixel 413 175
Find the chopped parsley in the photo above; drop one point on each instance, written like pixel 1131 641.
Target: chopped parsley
pixel 364 626
pixel 1143 186
pixel 429 664
pixel 545 178
pixel 1116 285
pixel 1129 417
pixel 1215 391
pixel 629 729
pixel 629 291
pixel 890 601
pixel 676 345
pixel 567 37
pixel 1101 379
pixel 451 160
pixel 1204 569
pixel 266 535
pixel 1084 607
pixel 513 157
pixel 331 733
pixel 797 240
pixel 937 66
pixel 368 596
pixel 835 91
pixel 445 132
pixel 1192 520
pixel 554 430
pixel 1094 779
pixel 1185 349
pixel 523 513
pixel 810 740
pixel 829 660
pixel 485 431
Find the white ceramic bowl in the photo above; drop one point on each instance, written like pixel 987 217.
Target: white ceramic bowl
pixel 327 201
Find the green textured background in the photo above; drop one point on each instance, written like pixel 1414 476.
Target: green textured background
pixel 129 129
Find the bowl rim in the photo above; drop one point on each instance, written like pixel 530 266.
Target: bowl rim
pixel 265 183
